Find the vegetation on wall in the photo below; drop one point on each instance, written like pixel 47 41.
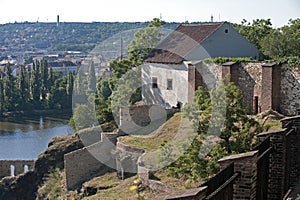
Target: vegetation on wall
pixel 237 134
pixel 222 60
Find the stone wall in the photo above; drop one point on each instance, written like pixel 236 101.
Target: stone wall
pixel 83 164
pixel 127 159
pixel 276 87
pixel 290 91
pixel 250 83
pixel 268 172
pixel 18 165
pixel 143 119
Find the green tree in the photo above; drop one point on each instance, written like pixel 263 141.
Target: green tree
pixel 102 102
pixel 58 98
pixel 9 89
pixel 70 86
pixel 283 42
pixel 83 117
pixel 2 104
pixel 50 79
pixel 143 43
pixel 23 88
pixel 255 31
pixel 237 133
pixel 44 79
pixel 79 83
pixel 36 84
pixel 91 79
pixel 145 40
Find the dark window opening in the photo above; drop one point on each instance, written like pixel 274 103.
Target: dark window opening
pixel 226 30
pixel 169 84
pixel 154 82
pixel 255 104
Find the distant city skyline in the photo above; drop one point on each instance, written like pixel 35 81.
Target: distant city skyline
pixel 279 11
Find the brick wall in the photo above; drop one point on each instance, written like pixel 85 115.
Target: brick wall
pixel 245 164
pixel 192 82
pixel 231 69
pixel 284 159
pixel 293 148
pixel 276 87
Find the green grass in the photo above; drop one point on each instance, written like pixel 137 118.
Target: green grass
pixel 178 183
pixel 272 125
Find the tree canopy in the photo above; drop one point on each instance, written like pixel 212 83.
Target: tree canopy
pixel 272 42
pixel 236 135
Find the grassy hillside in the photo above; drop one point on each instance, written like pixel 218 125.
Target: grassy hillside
pixel 33 36
pixel 154 140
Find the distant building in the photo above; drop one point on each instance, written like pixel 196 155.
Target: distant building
pixel 175 70
pixel 64 66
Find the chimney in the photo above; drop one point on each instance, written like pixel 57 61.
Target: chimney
pixel 211 18
pixel 57 23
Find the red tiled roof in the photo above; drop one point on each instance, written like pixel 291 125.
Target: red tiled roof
pixel 180 42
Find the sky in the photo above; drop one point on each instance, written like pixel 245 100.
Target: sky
pixel 279 11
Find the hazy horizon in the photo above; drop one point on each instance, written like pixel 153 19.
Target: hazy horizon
pixel 279 11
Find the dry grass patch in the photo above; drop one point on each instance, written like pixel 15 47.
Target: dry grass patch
pixel 120 191
pixel 154 140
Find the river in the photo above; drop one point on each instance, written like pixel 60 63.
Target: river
pixel 26 137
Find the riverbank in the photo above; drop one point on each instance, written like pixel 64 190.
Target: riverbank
pixel 36 113
pixel 26 136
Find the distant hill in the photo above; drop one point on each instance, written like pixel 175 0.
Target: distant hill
pixel 68 36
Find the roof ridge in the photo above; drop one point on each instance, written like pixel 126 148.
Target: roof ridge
pixel 220 24
pixel 204 23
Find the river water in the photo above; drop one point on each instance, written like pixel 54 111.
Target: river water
pixel 25 138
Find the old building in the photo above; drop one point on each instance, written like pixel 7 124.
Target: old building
pixel 173 72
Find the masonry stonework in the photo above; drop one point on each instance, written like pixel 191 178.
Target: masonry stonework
pixel 143 119
pixel 290 91
pixel 18 165
pixel 245 164
pixel 94 160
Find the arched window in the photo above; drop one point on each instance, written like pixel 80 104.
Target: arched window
pixel 12 170
pixel 26 168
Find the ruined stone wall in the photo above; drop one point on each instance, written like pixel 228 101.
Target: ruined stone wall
pixel 245 164
pixel 249 82
pixel 143 119
pixel 18 165
pixel 290 91
pixel 284 90
pixel 127 159
pixel 94 160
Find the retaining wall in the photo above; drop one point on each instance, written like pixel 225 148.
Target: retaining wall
pixel 18 167
pixel 96 159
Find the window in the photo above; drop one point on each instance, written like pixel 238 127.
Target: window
pixel 154 82
pixel 226 30
pixel 170 84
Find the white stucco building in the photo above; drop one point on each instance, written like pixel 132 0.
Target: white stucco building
pixel 165 73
